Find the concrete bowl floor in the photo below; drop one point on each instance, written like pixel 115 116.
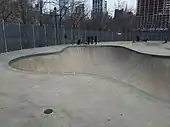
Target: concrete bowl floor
pixel 87 86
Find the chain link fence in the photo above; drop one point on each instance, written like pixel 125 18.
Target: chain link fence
pixel 24 36
pixel 153 35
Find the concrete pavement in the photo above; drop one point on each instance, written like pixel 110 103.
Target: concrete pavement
pixel 87 87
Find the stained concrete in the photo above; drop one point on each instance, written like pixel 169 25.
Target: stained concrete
pixel 85 86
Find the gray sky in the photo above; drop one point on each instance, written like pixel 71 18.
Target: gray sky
pixel 131 3
pixel 110 4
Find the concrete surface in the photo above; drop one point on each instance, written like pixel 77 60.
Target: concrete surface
pixel 87 86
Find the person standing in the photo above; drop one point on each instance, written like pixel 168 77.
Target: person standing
pixel 88 40
pixel 137 38
pixel 95 40
pixel 78 41
pixel 91 39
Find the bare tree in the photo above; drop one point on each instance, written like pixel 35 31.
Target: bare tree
pixel 79 15
pixel 120 4
pixel 24 11
pixel 64 9
pixel 125 20
pixel 43 8
pixel 7 8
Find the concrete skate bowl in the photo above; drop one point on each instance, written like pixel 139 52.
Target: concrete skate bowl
pixel 149 74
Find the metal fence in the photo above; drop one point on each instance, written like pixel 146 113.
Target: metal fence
pixel 157 35
pixel 22 36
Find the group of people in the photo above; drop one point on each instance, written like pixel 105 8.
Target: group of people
pixel 146 39
pixel 138 39
pixel 90 40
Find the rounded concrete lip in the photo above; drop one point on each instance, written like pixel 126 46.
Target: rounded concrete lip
pixel 72 72
pixel 60 50
pixel 163 52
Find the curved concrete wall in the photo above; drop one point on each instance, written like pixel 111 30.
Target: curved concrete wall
pixel 148 73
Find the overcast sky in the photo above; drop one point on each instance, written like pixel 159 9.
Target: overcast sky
pixel 111 3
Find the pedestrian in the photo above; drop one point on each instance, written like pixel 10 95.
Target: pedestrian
pixel 91 39
pixel 166 40
pixel 78 42
pixel 81 40
pixel 145 39
pixel 137 38
pixel 95 40
pixel 65 38
pixel 88 40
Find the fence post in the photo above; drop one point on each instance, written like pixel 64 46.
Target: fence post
pixel 133 34
pixel 85 36
pixel 3 25
pixel 55 32
pixel 33 32
pixel 102 36
pixel 78 33
pixel 58 32
pixel 19 26
pixel 45 32
pixel 71 32
pixel 63 36
pixel 112 36
pixel 125 38
pixel 97 36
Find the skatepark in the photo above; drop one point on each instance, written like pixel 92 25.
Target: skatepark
pixel 110 84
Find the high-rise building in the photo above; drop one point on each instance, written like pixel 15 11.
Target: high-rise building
pixel 153 14
pixel 98 6
pixel 62 3
pixel 66 7
pixel 118 13
pixel 105 6
pixel 80 9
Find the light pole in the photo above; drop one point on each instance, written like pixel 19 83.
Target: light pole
pixel 56 25
pixel 40 7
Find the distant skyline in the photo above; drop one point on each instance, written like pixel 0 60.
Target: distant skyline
pixel 110 3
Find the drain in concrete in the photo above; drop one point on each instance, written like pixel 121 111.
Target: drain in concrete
pixel 48 111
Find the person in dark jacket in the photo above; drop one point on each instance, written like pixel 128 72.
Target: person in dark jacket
pixel 91 39
pixel 137 38
pixel 95 40
pixel 65 36
pixel 78 42
pixel 145 40
pixel 166 40
pixel 88 40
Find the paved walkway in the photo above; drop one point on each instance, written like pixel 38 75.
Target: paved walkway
pixel 152 48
